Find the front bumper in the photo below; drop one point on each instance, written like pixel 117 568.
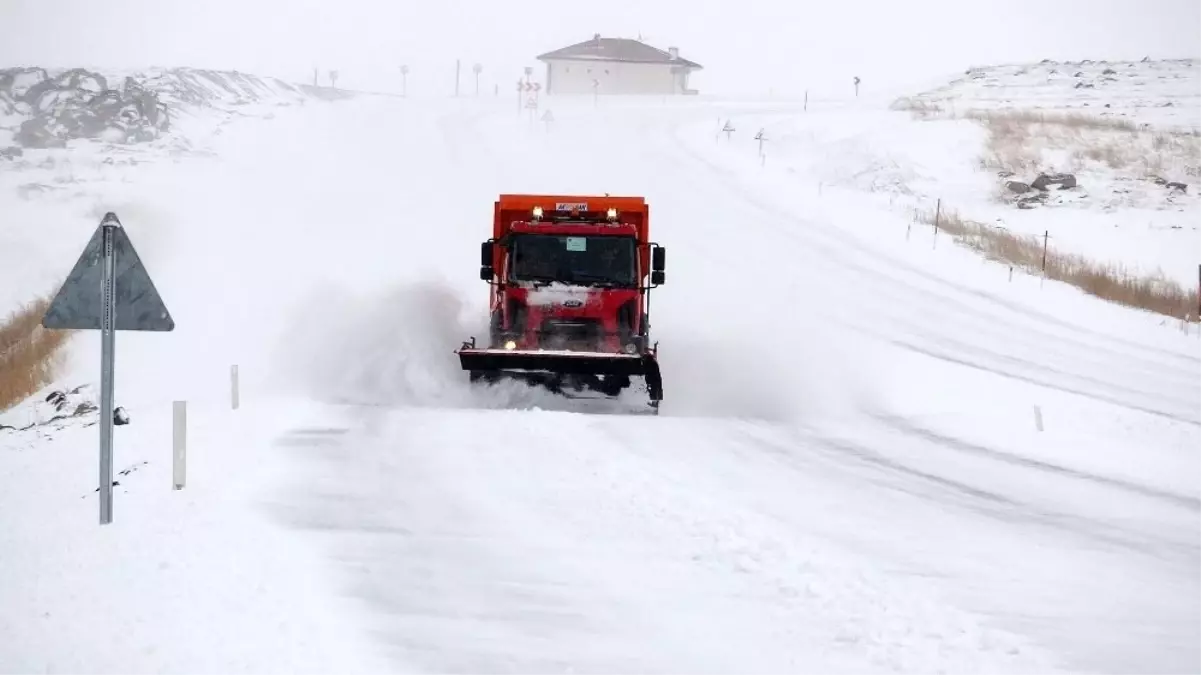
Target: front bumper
pixel 555 361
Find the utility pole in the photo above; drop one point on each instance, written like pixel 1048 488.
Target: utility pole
pixel 856 86
pixel 477 69
pixel 458 67
pixel 404 80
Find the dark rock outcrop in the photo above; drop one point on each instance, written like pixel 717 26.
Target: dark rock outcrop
pixel 1065 181
pixel 1032 201
pixel 80 104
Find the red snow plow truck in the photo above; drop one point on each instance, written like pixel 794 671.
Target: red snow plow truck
pixel 570 280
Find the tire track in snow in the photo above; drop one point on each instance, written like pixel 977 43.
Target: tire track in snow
pixel 1051 350
pixel 835 241
pixel 903 425
pixel 1049 347
pixel 1007 549
pixel 599 544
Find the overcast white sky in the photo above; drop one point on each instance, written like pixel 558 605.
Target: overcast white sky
pixel 746 46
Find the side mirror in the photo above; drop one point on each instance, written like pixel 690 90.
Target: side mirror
pixel 486 271
pixel 657 278
pixel 658 259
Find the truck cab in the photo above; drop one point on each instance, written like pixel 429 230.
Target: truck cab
pixel 570 278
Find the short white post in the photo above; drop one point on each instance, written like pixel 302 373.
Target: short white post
pixel 179 443
pixel 1038 418
pixel 233 386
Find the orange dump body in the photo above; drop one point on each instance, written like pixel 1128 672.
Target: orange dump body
pixel 514 213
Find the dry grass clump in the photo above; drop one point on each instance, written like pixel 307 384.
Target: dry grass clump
pixel 919 108
pixel 29 354
pixel 1064 119
pixel 1025 141
pixel 1154 293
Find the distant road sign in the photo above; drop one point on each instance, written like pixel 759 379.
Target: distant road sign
pixel 108 290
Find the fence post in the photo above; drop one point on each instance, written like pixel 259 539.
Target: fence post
pixel 1038 418
pixel 937 218
pixel 1046 235
pixel 233 386
pixel 179 442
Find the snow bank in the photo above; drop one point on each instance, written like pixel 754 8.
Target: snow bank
pixel 181 581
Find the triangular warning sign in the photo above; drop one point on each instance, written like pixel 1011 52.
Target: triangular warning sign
pixel 78 304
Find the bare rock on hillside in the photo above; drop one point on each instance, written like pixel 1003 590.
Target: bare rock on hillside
pixel 80 104
pixel 1065 181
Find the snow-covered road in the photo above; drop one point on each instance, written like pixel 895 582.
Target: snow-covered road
pixel 846 474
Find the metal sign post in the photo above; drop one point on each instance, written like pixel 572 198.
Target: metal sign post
pixel 108 290
pixel 108 356
pixel 531 101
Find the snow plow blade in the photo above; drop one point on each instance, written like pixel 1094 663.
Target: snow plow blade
pixel 539 365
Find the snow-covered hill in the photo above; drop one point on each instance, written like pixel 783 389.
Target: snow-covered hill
pixel 1162 94
pixel 874 454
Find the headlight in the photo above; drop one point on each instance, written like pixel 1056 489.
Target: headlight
pixel 538 212
pixel 630 348
pixel 612 214
pixel 510 345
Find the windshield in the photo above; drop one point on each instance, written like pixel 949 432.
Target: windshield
pixel 573 260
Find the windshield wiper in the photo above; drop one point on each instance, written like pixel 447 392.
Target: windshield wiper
pixel 595 279
pixel 538 278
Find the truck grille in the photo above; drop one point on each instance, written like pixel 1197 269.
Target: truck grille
pixel 574 334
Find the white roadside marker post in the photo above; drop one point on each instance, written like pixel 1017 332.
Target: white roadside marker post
pixel 233 387
pixel 179 444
